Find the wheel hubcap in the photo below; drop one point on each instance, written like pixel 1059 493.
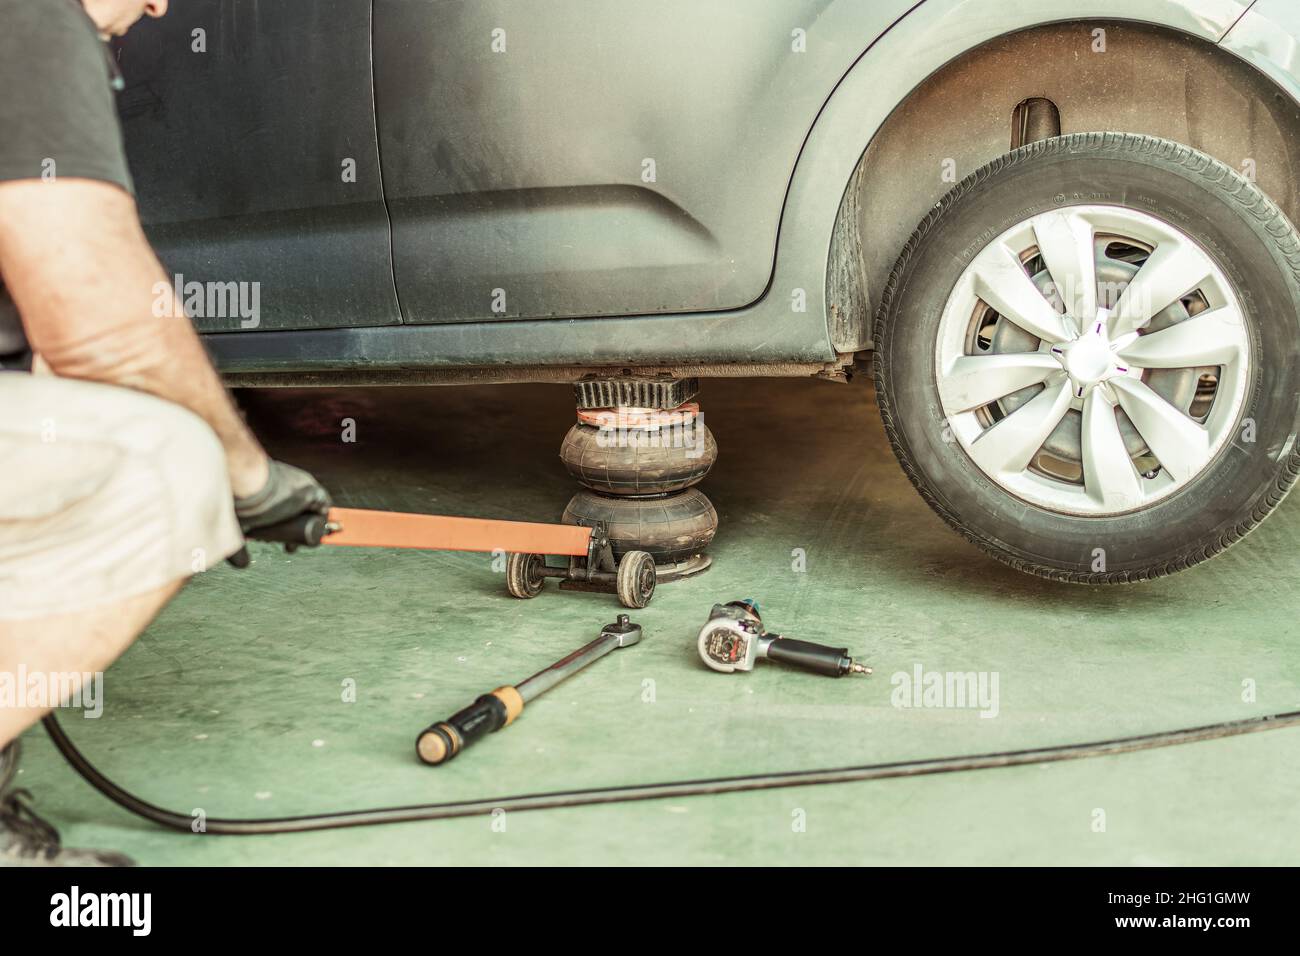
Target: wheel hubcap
pixel 1089 360
pixel 1141 382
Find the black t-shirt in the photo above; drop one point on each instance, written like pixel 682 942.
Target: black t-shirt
pixel 57 117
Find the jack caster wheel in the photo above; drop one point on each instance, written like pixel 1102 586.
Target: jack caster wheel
pixel 524 577
pixel 636 579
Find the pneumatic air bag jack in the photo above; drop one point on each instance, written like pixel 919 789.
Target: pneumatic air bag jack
pixel 639 448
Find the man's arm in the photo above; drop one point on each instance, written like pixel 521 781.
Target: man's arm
pixel 97 305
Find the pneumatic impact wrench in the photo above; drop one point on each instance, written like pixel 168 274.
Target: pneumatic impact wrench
pixel 733 638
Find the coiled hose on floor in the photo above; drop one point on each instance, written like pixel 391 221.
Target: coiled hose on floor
pixel 655 791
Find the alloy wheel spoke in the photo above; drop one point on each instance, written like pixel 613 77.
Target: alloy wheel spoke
pixel 1213 337
pixel 1065 240
pixel 1001 281
pixel 974 381
pixel 1181 445
pixel 1109 477
pixel 1175 268
pixel 1009 446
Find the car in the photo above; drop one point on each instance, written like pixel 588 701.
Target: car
pixel 1060 231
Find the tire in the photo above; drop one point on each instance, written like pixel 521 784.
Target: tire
pixel 523 577
pixel 670 528
pixel 636 579
pixel 631 467
pixel 1091 521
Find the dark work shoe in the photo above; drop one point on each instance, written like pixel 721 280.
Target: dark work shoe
pixel 28 840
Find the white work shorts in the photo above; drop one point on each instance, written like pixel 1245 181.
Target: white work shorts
pixel 105 493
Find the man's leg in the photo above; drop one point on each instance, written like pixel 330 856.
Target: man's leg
pixel 80 642
pixel 83 642
pixel 109 501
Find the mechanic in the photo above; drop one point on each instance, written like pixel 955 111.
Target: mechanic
pixel 124 465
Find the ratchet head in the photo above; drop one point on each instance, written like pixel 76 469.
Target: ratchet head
pixel 626 632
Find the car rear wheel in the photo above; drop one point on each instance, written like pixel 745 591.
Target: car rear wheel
pixel 1086 357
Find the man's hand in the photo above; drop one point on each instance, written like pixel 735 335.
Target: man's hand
pixel 288 493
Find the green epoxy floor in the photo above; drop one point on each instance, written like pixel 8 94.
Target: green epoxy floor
pixel 232 701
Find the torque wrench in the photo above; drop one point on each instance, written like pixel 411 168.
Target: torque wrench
pixel 440 742
pixel 733 638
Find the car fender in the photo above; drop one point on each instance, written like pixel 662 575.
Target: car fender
pixel 1268 37
pixel 928 37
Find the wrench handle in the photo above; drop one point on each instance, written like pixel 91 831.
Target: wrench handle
pixel 305 529
pixel 818 658
pixel 439 742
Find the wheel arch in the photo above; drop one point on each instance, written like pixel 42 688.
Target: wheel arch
pixel 1159 80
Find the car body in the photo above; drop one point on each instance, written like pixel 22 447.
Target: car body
pixel 503 214
pixel 986 196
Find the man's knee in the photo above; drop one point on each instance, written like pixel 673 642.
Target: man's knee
pixel 190 453
pixel 190 466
